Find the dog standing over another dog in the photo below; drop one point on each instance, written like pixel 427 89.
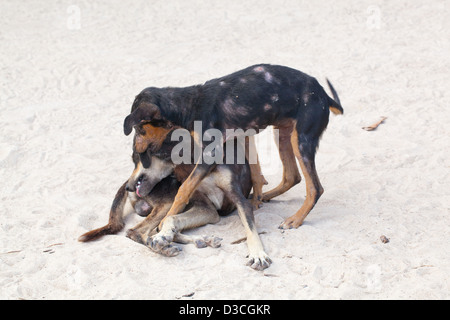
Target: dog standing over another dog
pixel 253 98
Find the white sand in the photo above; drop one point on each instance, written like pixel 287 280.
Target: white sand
pixel 68 83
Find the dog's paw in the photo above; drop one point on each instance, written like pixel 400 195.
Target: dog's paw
pixel 259 262
pixel 135 236
pixel 265 198
pixel 158 242
pixel 208 241
pixel 170 251
pixel 257 202
pixel 291 222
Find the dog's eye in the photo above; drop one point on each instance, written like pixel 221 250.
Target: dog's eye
pixel 139 130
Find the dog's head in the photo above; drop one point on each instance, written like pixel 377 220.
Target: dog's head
pixel 143 180
pixel 142 111
pixel 151 130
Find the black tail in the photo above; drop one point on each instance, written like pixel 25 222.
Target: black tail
pixel 335 105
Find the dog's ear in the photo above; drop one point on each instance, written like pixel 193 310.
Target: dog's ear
pixel 145 159
pixel 145 112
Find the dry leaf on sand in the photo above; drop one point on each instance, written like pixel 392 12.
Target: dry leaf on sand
pixel 375 125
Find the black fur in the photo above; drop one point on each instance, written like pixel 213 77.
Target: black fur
pixel 252 98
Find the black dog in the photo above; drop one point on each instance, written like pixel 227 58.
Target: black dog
pixel 253 98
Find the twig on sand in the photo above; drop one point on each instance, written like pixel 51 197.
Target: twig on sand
pixel 13 251
pixel 55 244
pixel 47 250
pixel 188 295
pixel 375 125
pixel 245 238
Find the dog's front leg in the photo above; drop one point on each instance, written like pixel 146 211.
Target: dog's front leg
pixel 141 231
pixel 162 241
pixel 188 187
pixel 258 259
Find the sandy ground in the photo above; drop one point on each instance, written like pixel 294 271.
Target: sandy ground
pixel 69 71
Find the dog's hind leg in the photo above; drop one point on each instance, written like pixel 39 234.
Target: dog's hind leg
pixel 198 240
pixel 305 148
pixel 116 215
pixel 200 214
pixel 291 175
pixel 143 230
pixel 257 177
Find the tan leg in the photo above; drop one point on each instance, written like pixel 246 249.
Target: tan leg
pixel 313 187
pixel 187 189
pixel 198 241
pixel 291 176
pixel 143 230
pixel 257 176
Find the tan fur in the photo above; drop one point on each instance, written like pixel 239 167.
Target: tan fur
pixel 335 110
pixel 313 188
pixel 258 179
pixel 184 193
pixel 150 135
pixel 291 175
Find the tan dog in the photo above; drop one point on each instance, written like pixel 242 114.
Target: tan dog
pixel 225 188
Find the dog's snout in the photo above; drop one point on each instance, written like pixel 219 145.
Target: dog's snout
pixel 130 187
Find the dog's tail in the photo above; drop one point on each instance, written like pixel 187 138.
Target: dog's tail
pixel 335 103
pixel 115 223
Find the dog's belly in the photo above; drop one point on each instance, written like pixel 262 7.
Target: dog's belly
pixel 212 191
